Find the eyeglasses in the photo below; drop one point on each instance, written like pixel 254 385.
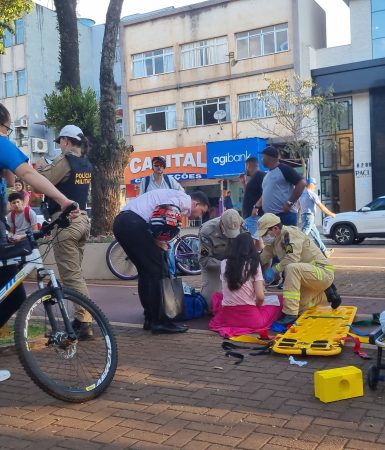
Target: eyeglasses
pixel 9 130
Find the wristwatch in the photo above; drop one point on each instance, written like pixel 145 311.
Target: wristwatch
pixel 290 203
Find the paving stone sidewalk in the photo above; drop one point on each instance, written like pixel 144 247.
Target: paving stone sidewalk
pixel 180 392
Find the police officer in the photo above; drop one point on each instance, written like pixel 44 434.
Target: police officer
pixel 13 160
pixel 71 173
pixel 307 271
pixel 214 238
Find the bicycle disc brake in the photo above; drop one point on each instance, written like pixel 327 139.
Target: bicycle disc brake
pixel 64 346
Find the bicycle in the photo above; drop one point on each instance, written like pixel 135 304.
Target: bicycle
pixel 55 358
pixel 186 250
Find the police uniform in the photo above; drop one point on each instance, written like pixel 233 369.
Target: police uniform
pixel 214 238
pixel 213 249
pixel 307 271
pixel 71 174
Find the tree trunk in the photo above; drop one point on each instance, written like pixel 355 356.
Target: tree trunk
pixel 109 157
pixel 69 43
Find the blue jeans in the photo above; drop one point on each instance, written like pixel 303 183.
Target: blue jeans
pixel 171 258
pixel 289 218
pixel 251 223
pixel 308 227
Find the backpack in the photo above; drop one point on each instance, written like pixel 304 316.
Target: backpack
pixel 166 178
pixel 194 306
pixel 26 216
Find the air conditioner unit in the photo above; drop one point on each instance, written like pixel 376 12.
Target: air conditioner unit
pixel 21 123
pixel 39 145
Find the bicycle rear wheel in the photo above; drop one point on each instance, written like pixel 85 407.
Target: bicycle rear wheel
pixel 70 370
pixel 187 254
pixel 119 263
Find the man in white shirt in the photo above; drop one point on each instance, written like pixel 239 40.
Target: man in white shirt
pixel 131 229
pixel 159 180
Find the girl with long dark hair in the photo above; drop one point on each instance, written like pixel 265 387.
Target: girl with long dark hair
pixel 19 186
pixel 241 310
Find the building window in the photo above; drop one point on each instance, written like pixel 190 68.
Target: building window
pixel 252 106
pixel 153 63
pixel 378 29
pixel 202 112
pixel 118 96
pixel 7 40
pixel 377 5
pixel 19 31
pixel 8 84
pixel 262 41
pixel 204 53
pixel 159 118
pixel 336 137
pixel 21 86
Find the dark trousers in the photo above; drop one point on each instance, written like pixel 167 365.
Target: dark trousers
pixel 132 233
pixel 12 303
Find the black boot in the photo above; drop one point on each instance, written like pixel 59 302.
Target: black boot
pixel 83 330
pixel 333 296
pixel 286 319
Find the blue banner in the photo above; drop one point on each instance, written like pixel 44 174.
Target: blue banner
pixel 227 158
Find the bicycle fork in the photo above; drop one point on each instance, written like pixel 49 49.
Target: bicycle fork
pixel 57 293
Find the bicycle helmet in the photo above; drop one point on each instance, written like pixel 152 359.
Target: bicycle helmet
pixel 165 222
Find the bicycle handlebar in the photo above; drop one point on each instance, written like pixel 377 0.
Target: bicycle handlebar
pixel 62 222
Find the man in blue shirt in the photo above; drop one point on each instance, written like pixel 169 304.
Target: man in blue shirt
pixel 14 161
pixel 307 203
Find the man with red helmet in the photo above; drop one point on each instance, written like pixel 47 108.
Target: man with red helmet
pixel 143 236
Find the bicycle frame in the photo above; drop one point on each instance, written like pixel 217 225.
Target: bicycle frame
pixel 35 261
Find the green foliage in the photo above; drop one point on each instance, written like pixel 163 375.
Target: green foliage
pixel 72 106
pixel 294 104
pixel 10 10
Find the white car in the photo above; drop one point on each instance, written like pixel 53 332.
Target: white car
pixel 353 227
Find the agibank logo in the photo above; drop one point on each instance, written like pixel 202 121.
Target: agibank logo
pixel 229 158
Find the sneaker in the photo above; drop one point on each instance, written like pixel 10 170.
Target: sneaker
pixel 83 330
pixel 286 319
pixel 333 296
pixel 4 375
pixel 328 252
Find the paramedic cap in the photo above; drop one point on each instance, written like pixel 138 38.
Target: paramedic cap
pixel 231 223
pixel 71 131
pixel 267 221
pixel 311 180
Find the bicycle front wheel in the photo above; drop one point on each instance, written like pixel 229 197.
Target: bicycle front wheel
pixel 187 254
pixel 70 370
pixel 119 263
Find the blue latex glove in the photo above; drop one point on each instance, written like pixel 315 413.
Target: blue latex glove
pixel 269 275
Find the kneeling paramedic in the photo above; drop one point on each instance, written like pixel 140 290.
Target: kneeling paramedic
pixel 308 275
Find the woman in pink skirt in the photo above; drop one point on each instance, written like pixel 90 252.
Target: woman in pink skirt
pixel 242 309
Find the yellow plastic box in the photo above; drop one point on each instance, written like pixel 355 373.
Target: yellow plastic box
pixel 338 384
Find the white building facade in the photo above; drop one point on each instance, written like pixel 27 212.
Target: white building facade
pixel 191 77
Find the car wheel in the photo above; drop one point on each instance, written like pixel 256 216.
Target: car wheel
pixel 358 240
pixel 343 234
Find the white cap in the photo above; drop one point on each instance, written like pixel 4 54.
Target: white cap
pixel 71 131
